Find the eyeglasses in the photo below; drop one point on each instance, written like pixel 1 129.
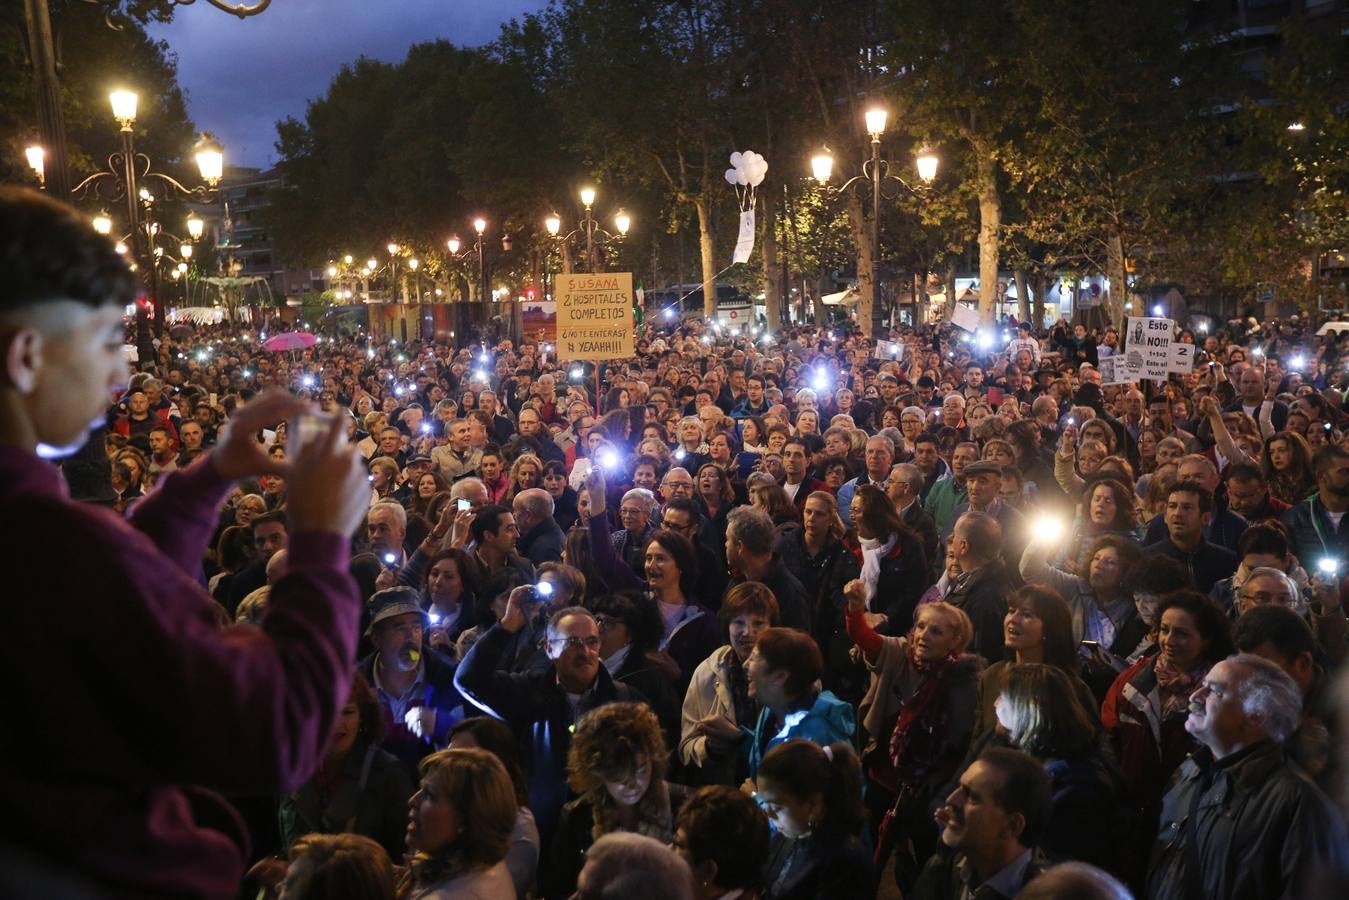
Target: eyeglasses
pixel 671 526
pixel 576 643
pixel 629 511
pixel 1264 597
pixel 605 623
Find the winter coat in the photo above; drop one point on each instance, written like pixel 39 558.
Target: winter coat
pixel 1249 827
pixel 369 797
pixel 827 720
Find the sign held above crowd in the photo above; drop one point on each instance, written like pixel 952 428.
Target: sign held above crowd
pixel 595 316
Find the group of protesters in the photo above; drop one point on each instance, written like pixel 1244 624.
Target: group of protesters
pixel 766 611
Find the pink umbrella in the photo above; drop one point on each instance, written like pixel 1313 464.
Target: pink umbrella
pixel 290 340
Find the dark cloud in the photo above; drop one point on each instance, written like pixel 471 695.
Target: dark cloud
pixel 242 75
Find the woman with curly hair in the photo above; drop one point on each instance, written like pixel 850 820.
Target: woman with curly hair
pixel 526 473
pixel 616 766
pixel 1106 506
pixel 1287 464
pixel 459 828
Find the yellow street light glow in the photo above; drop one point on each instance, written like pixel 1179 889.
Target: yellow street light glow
pixel 414 263
pixel 822 166
pixel 185 251
pixel 876 118
pixel 347 259
pixel 210 157
pixel 393 248
pixel 453 244
pixel 120 248
pixel 480 225
pixel 332 271
pixel 103 223
pixel 587 197
pixel 927 164
pixel 553 223
pixel 124 107
pixel 195 227
pixel 623 222
pixel 37 161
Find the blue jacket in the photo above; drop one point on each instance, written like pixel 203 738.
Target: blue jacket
pixel 438 693
pixel 828 720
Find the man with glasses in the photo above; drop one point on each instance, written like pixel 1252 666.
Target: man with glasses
pixel 542 706
pixel 677 485
pixel 904 487
pixel 683 518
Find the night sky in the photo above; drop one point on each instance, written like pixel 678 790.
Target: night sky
pixel 240 77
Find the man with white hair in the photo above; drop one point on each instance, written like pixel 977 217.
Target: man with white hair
pixel 622 865
pixel 1243 821
pixel 541 538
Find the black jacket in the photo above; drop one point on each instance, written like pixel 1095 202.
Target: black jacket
pixel 821 867
pixel 542 543
pixel 1224 529
pixel 536 708
pixel 574 837
pixel 1248 827
pixel 793 603
pixel 983 595
pixel 1208 565
pixel 922 523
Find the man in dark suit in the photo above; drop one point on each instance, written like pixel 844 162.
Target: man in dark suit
pixel 903 488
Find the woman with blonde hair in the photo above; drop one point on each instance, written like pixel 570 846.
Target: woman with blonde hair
pixel 616 766
pixel 526 473
pixel 919 715
pixel 460 824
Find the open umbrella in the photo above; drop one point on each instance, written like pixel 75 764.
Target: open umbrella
pixel 290 340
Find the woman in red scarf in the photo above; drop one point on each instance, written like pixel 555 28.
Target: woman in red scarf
pixel 918 714
pixel 1145 710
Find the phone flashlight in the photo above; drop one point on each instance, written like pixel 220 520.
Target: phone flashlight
pixel 463 505
pixel 390 559
pixel 1328 565
pixel 680 453
pixel 433 618
pixel 609 460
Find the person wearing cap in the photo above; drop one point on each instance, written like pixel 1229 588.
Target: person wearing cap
pixel 415 685
pixel 983 482
pixel 1023 341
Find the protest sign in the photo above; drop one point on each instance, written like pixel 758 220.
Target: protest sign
pixel 594 316
pixel 1147 346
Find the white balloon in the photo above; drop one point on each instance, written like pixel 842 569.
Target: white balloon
pixel 736 159
pixel 741 176
pixel 732 176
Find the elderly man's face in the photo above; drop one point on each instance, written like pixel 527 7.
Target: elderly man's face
pixel 191 435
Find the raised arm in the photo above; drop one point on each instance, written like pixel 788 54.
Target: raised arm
pixel 616 573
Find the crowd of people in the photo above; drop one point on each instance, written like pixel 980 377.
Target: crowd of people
pixel 757 612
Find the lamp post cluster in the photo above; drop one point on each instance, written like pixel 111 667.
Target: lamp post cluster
pixel 588 228
pixel 876 174
pixel 128 178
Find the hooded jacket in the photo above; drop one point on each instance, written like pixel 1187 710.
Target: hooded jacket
pixel 826 720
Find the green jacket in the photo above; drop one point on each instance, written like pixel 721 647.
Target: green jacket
pixel 942 501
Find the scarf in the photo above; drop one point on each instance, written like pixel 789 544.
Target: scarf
pixel 1176 686
pixel 920 727
pixel 873 550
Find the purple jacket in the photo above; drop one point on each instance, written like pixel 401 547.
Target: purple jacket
pixel 127 707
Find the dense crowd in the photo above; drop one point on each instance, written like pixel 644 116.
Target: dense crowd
pixel 757 612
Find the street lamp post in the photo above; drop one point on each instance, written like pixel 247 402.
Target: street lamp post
pixel 454 245
pixel 587 226
pixel 875 171
pixel 126 178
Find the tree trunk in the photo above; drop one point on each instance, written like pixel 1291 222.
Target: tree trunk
pixel 1117 272
pixel 990 221
pixel 775 286
pixel 861 234
pixel 1038 305
pixel 1022 300
pixel 817 304
pixel 949 285
pixel 707 244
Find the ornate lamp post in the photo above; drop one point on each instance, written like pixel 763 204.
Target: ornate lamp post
pixel 876 175
pixel 588 227
pixel 128 178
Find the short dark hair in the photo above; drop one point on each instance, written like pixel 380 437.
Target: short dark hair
pixel 50 253
pixel 1264 537
pixel 488 519
pixel 639 615
pixel 268 518
pixel 684 504
pixel 725 825
pixel 795 651
pixel 1201 494
pixel 1024 790
pixel 1327 456
pixel 1245 472
pixel 1288 632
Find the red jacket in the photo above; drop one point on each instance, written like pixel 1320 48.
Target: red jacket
pixel 129 708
